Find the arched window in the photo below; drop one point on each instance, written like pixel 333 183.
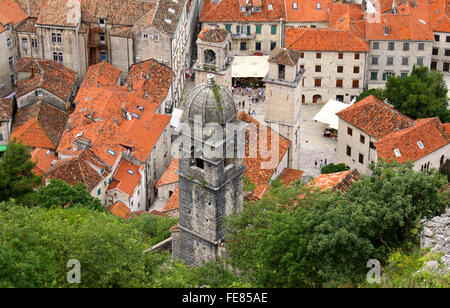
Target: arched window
pixel 317 98
pixel 210 56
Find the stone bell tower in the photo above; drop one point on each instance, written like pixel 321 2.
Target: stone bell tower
pixel 213 56
pixel 211 173
pixel 283 94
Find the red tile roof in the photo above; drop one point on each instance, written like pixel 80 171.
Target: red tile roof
pixel 39 125
pixel 43 159
pixel 213 34
pixel 288 176
pixel 284 56
pixel 51 76
pixel 336 181
pixel 10 13
pixel 439 15
pixel 170 176
pixel 447 127
pixel 307 10
pixel 400 27
pixel 6 108
pixel 27 25
pixel 255 171
pixel 345 16
pixel 174 201
pixel 229 10
pixel 80 169
pixel 120 209
pixel 303 39
pixel 375 117
pixel 126 177
pixel 60 13
pixel 430 132
pixel 151 80
pixel 113 119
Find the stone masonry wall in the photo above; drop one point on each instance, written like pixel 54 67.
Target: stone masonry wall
pixel 436 235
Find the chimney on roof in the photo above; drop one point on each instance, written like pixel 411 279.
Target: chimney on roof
pixel 413 3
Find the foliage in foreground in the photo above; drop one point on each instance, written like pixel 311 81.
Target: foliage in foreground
pixel 16 176
pixel 410 270
pixel 332 168
pixel 36 244
pixel 299 238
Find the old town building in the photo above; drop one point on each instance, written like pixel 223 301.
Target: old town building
pixel 283 93
pixel 10 15
pixel 6 116
pixel 371 130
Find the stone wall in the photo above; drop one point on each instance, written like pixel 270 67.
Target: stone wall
pixel 436 235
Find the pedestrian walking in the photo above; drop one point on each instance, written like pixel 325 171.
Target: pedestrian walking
pixel 325 161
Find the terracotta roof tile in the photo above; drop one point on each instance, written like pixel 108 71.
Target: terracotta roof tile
pixel 170 176
pixel 428 133
pixel 39 125
pixel 375 117
pixel 439 15
pixel 288 176
pixel 307 10
pixel 113 119
pixel 336 181
pixel 284 56
pixel 31 7
pixel 6 108
pixel 43 159
pixel 173 202
pixel 60 13
pixel 447 127
pixel 325 40
pixel 51 76
pixel 120 210
pixel 150 80
pixel 126 177
pixel 213 34
pixel 27 25
pixel 256 174
pixel 342 16
pixel 229 10
pixel 400 27
pixel 10 13
pixel 79 169
pixel 168 10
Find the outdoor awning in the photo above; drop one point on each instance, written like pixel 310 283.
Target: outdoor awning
pixel 328 112
pixel 177 115
pixel 250 66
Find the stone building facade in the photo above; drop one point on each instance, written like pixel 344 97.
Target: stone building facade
pixel 213 56
pixel 6 116
pixel 211 186
pixel 283 93
pixel 334 63
pixel 371 130
pixel 8 45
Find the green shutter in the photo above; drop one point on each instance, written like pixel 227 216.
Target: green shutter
pixel 273 29
pixel 248 30
pixel 228 27
pixel 258 29
pixel 237 29
pixel 99 191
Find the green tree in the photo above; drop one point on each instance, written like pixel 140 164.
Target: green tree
pixel 61 194
pixel 297 237
pixel 378 93
pixel 16 176
pixel 332 168
pixel 421 94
